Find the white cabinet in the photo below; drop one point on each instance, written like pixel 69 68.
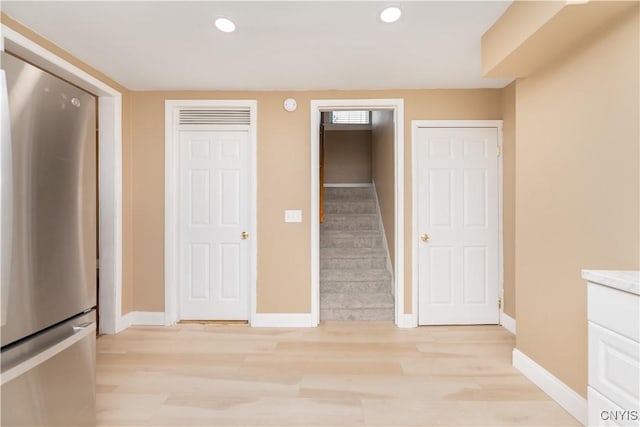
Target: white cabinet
pixel 614 348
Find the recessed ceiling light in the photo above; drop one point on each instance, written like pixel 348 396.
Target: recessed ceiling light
pixel 225 25
pixel 390 14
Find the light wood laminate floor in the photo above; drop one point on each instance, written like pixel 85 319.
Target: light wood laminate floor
pixel 339 374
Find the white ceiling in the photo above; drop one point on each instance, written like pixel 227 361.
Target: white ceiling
pixel 291 45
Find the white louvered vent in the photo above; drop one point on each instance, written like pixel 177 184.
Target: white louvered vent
pixel 215 116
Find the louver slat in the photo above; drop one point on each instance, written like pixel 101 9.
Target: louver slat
pixel 215 117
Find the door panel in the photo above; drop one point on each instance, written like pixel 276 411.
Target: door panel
pixel 199 274
pixel 458 269
pixel 440 198
pixel 215 260
pixel 230 263
pixel 440 268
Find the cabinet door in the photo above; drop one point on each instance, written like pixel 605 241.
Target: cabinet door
pixel 614 370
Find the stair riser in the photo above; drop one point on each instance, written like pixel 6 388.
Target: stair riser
pixel 350 223
pixel 368 315
pixel 355 275
pixel 356 301
pixel 356 288
pixel 350 242
pixel 350 208
pixel 341 194
pixel 353 263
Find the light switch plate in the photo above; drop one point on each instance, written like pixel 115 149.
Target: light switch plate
pixel 293 216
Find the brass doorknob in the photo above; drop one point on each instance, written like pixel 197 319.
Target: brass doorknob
pixel 245 235
pixel 424 237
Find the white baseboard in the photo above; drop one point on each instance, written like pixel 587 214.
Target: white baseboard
pixel 571 401
pixel 508 322
pixel 141 318
pixel 349 185
pixel 123 322
pixel 271 320
pixel 148 318
pixel 407 321
pixel 282 320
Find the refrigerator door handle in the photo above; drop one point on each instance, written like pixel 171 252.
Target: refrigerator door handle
pixel 79 333
pixel 6 201
pixel 82 327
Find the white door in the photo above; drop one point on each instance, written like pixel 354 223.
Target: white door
pixel 214 214
pixel 458 224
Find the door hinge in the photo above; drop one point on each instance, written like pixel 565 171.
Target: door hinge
pixel 498 151
pixel 500 303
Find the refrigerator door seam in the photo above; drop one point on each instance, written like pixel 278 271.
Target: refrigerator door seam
pixel 27 365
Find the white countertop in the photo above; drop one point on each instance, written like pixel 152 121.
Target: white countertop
pixel 627 280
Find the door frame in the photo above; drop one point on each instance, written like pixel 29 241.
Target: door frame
pixel 172 199
pixel 396 105
pixel 415 241
pixel 109 170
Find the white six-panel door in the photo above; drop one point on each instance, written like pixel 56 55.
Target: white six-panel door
pixel 458 224
pixel 214 214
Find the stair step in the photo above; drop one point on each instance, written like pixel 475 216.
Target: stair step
pixel 356 288
pixel 350 222
pixel 356 301
pixel 350 258
pixel 346 207
pixel 348 193
pixel 346 239
pixel 353 275
pixel 352 254
pixel 362 315
pixel 353 263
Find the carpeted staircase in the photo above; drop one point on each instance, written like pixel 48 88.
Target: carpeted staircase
pixel 355 283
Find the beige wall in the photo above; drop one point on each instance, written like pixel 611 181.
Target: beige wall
pixel 347 156
pixel 283 158
pixel 577 181
pixel 509 197
pixel 127 241
pixel 383 139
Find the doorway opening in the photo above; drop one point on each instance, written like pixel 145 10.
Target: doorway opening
pixel 356 182
pixel 358 175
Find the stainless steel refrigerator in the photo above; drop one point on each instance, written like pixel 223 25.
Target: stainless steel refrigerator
pixel 48 252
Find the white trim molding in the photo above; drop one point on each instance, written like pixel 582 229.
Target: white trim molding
pixel 571 401
pixel 143 318
pixel 282 320
pixel 171 197
pixel 397 106
pixel 110 168
pixel 508 322
pixel 415 125
pixel 408 320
